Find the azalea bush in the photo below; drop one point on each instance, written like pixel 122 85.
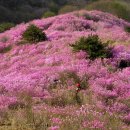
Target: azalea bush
pixel 66 76
pixel 93 46
pixel 33 34
pixel 4 39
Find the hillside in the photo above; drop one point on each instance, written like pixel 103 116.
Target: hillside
pixel 49 71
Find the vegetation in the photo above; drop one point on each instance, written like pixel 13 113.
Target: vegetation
pixel 62 111
pixel 127 29
pixel 5 26
pixel 33 34
pixel 93 46
pixel 48 87
pixel 48 14
pixel 5 49
pixel 14 10
pixel 67 8
pixel 118 8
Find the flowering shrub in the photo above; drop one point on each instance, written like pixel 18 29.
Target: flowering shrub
pixel 93 46
pixel 88 16
pixel 4 39
pixel 68 76
pixel 34 34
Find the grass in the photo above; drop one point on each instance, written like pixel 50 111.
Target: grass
pixel 28 119
pixel 5 26
pixel 61 110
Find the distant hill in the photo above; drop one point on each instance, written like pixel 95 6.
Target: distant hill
pixel 17 11
pixel 120 8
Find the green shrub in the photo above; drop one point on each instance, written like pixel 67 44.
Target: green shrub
pixel 5 26
pixel 48 14
pixel 33 34
pixel 127 29
pixel 93 46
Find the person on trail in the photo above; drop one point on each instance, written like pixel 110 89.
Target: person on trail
pixel 78 87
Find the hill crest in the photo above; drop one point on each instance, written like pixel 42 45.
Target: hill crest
pixel 32 67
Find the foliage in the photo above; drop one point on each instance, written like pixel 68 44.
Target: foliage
pixel 5 26
pixel 67 8
pixel 48 14
pixel 13 10
pixel 34 34
pixel 93 46
pixel 118 8
pixel 91 18
pixel 68 75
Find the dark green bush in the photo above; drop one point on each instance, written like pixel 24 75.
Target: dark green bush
pixel 5 26
pixel 93 46
pixel 33 34
pixel 127 29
